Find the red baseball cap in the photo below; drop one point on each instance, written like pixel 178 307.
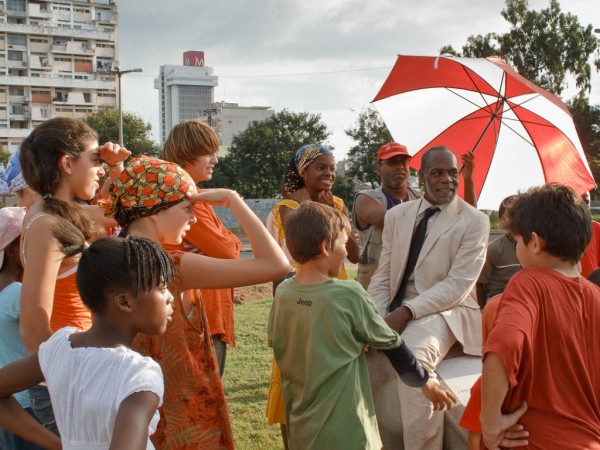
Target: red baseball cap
pixel 392 149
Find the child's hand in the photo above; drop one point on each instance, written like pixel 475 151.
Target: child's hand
pixel 112 153
pixel 504 431
pixel 441 398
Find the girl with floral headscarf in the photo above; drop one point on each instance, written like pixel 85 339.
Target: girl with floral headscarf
pixel 154 199
pixel 309 175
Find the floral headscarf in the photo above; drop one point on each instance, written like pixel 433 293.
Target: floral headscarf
pixel 145 187
pixel 292 180
pixel 11 179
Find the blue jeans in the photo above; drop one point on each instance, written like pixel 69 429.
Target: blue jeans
pixel 9 441
pixel 39 399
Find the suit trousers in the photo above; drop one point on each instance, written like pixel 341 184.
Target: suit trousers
pixel 430 339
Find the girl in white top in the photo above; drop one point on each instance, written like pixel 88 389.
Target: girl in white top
pixel 104 394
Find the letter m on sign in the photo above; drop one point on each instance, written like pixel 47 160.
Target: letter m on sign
pixel 193 58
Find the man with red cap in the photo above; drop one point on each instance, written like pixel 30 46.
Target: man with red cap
pixel 371 205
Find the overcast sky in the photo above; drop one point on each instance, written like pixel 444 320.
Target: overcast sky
pixel 321 56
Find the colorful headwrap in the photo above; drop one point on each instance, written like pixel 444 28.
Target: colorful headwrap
pixel 11 179
pixel 292 180
pixel 145 187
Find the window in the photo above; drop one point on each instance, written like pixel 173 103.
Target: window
pixel 16 39
pixel 16 90
pixel 15 56
pixel 16 5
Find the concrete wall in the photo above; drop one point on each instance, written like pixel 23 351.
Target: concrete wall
pixel 261 207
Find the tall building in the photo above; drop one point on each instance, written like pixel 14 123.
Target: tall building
pixel 184 91
pixel 229 119
pixel 52 54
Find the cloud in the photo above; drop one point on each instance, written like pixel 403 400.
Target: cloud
pixel 278 53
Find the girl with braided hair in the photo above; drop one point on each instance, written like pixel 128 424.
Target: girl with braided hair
pixel 61 161
pixel 155 199
pixel 104 394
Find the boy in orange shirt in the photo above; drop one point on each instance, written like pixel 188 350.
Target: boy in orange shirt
pixel 540 364
pixel 193 145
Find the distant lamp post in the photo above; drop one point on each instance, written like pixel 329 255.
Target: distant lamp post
pixel 119 73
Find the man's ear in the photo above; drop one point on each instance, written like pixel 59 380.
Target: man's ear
pixel 64 165
pixel 421 176
pixel 123 301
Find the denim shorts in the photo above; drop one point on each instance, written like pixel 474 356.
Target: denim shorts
pixel 39 400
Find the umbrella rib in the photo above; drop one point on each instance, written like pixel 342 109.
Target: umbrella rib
pixel 487 105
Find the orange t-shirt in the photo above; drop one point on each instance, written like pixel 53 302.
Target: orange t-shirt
pixel 546 335
pixel 208 236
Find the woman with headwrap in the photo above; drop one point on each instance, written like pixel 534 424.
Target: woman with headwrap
pixel 154 199
pixel 13 182
pixel 309 175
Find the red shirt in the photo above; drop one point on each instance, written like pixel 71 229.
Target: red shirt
pixel 546 334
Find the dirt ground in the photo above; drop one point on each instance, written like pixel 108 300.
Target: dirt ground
pixel 249 294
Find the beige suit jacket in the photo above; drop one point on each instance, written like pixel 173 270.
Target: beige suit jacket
pixel 446 271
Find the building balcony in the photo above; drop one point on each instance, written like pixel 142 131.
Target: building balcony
pixel 57 82
pixel 51 30
pixel 15 64
pixel 72 50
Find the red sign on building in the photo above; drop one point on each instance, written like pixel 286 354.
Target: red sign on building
pixel 193 58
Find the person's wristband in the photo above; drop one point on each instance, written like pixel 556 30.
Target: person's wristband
pixel 111 166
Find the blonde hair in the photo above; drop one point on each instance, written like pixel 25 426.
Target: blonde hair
pixel 188 140
pixel 309 226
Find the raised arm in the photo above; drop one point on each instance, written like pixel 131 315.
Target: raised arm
pixel 368 212
pixel 42 264
pixel 468 161
pixel 16 377
pixel 269 262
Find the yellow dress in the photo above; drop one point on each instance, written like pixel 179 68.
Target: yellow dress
pixel 275 409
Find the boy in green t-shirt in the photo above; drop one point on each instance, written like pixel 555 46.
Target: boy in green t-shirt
pixel 319 327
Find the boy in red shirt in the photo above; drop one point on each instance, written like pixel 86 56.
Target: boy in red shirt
pixel 541 365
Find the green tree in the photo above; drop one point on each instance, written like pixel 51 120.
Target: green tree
pixel 587 124
pixel 260 153
pixel 369 133
pixel 136 132
pixel 545 47
pixel 345 188
pixel 4 155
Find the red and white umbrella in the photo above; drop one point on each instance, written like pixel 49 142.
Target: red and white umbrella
pixel 520 134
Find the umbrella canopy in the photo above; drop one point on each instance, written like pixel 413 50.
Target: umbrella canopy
pixel 520 134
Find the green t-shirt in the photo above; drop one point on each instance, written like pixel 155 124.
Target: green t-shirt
pixel 318 333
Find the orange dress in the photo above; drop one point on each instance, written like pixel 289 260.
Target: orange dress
pixel 194 413
pixel 208 236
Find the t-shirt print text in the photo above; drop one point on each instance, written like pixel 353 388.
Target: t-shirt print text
pixel 303 302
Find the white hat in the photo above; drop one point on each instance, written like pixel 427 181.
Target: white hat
pixel 11 222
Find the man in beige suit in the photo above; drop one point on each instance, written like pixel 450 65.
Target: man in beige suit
pixel 425 289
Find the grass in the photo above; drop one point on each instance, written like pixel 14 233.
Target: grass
pixel 247 376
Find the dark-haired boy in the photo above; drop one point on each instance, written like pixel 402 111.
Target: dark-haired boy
pixel 318 328
pixel 541 365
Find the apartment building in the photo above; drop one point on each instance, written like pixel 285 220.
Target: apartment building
pixel 229 119
pixel 52 54
pixel 184 91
